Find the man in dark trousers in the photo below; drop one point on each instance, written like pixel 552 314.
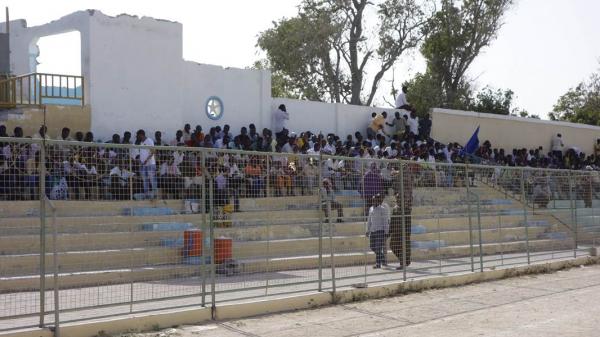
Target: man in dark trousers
pixel 402 213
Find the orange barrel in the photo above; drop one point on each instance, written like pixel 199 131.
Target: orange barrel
pixel 192 242
pixel 223 249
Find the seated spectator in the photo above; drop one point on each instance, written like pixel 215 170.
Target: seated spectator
pixel 328 201
pixel 255 183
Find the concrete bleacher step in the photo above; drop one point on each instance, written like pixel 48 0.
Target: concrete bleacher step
pixel 76 261
pixel 83 207
pixel 357 243
pixel 421 197
pixel 29 244
pixel 92 224
pixel 258 265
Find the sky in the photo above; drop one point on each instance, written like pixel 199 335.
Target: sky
pixel 544 48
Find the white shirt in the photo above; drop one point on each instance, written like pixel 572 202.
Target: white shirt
pixel 413 125
pixel 379 219
pixel 145 154
pixel 279 118
pixel 557 143
pixel 287 148
pixel 401 100
pixel 329 148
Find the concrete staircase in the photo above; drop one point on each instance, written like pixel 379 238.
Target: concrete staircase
pixel 110 242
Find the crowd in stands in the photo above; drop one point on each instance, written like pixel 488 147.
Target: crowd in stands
pixel 105 172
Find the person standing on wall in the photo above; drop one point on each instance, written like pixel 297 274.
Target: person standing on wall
pixel 280 116
pixel 378 228
pixel 148 164
pixel 402 213
pixel 557 146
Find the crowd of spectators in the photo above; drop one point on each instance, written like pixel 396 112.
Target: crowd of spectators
pixel 100 171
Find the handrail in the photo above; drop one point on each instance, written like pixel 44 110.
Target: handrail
pixel 36 88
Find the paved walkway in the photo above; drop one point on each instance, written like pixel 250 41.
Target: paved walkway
pixel 564 303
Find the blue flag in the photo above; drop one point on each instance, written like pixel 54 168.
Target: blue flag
pixel 473 143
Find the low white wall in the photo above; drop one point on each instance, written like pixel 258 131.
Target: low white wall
pixel 341 119
pixel 509 132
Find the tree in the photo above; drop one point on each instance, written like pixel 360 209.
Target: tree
pixel 454 38
pixel 580 104
pixel 493 101
pixel 324 50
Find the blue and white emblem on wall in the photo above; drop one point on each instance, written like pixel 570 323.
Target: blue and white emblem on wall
pixel 214 108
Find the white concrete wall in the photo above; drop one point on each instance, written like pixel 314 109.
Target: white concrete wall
pixel 135 74
pixel 510 132
pixel 341 119
pixel 244 94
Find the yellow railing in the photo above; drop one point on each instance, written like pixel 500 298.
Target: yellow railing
pixel 41 88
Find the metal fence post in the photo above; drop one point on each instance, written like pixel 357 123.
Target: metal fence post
pixel 42 197
pixel 205 248
pixel 466 167
pixel 268 182
pixel 366 245
pixel 331 248
pixel 524 201
pixel 55 270
pixel 130 176
pixel 403 222
pixel 319 207
pixel 480 235
pixel 573 207
pixel 268 257
pixel 212 249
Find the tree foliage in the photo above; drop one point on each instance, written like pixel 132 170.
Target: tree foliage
pixel 455 36
pixel 580 104
pixel 324 50
pixel 493 101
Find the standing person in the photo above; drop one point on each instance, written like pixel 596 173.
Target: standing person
pixel 557 146
pixel 376 124
pixel 399 124
pixel 327 196
pixel 280 116
pixel 372 185
pixel 413 123
pixel 187 134
pixel 148 164
pixel 402 213
pixel 378 228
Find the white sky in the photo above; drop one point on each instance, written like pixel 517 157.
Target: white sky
pixel 545 47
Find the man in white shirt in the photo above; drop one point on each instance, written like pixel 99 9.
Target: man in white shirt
pixel 148 164
pixel 401 102
pixel 557 146
pixel 413 123
pixel 378 228
pixel 280 116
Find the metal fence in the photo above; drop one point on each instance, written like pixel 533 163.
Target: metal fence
pixel 92 230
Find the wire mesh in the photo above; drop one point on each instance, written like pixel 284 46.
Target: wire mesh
pixel 140 227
